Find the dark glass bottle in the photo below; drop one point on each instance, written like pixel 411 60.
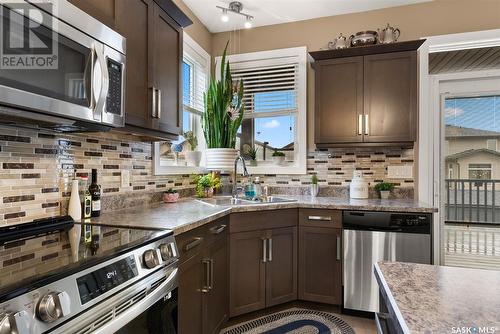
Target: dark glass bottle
pixel 95 193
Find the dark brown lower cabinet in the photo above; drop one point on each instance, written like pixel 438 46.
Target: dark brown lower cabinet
pixel 263 269
pixel 203 280
pixel 320 264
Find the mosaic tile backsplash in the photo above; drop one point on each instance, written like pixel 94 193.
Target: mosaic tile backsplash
pixel 36 169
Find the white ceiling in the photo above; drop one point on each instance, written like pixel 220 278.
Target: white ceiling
pixel 267 12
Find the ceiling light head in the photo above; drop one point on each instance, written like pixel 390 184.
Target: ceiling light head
pixel 224 17
pixel 248 23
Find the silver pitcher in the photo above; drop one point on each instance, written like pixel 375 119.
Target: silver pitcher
pixel 388 35
pixel 340 42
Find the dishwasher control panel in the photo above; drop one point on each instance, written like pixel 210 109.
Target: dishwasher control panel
pixel 387 221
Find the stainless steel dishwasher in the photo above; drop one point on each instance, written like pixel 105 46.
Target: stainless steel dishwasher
pixel 370 237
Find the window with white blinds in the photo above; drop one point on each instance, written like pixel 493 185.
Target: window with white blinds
pixel 274 122
pixel 195 75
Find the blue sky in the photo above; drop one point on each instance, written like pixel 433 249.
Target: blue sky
pixel 474 112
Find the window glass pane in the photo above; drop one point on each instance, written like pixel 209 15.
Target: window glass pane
pixel 186 126
pixel 186 83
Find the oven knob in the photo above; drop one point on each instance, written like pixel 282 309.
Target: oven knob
pixel 53 306
pixel 17 322
pixel 150 258
pixel 167 251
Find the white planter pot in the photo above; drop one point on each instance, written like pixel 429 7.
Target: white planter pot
pixel 385 194
pixel 314 188
pixel 220 158
pixel 193 158
pixel 278 160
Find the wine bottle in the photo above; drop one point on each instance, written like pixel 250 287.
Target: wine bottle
pixel 95 193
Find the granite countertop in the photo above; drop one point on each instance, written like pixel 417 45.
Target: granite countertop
pixel 190 213
pixel 440 299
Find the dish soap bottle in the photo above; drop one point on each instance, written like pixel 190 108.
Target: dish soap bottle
pixel 249 189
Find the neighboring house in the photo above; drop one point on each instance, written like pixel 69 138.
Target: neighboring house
pixel 472 153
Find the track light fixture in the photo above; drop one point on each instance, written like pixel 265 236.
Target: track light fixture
pixel 235 7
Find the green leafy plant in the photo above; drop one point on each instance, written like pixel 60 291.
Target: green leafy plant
pixel 204 182
pixel 314 179
pixel 223 108
pixel 171 191
pixel 250 152
pixel 384 186
pixel 278 154
pixel 191 139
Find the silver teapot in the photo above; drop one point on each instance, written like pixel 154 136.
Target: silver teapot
pixel 340 42
pixel 388 35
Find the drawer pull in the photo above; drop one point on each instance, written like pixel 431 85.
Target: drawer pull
pixel 193 244
pixel 217 229
pixel 270 251
pixel 321 218
pixel 206 287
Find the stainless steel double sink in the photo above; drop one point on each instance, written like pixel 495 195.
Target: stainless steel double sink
pixel 229 200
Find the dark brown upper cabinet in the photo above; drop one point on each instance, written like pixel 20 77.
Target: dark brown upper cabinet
pixel 153 29
pixel 366 95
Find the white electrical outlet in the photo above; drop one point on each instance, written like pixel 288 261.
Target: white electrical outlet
pixel 125 178
pixel 400 172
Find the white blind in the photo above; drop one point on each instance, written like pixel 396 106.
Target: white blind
pixel 268 88
pixel 198 81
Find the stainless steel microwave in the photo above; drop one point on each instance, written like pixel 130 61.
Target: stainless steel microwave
pixel 60 68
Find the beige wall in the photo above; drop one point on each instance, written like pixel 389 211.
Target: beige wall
pixel 427 19
pixel 197 30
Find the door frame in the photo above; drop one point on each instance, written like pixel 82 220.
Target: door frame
pixel 429 124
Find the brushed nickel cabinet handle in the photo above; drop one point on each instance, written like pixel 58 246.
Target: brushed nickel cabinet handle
pixel 367 125
pixel 338 248
pixel 158 104
pixel 211 285
pixel 321 218
pixel 206 286
pixel 153 102
pixel 193 244
pixel 217 229
pixel 270 251
pixel 264 250
pixel 360 125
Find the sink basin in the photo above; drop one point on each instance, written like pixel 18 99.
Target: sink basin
pixel 272 199
pixel 228 200
pixel 225 200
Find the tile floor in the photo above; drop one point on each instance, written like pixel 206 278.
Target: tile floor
pixel 360 325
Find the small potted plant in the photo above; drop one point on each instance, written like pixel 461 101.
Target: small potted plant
pixel 170 196
pixel 278 157
pixel 384 188
pixel 251 154
pixel 205 185
pixel 193 157
pixel 314 185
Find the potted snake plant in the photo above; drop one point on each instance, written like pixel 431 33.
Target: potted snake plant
pixel 222 117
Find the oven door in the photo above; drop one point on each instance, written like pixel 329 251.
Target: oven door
pixel 74 85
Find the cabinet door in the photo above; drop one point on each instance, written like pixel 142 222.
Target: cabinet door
pixel 134 19
pixel 247 281
pixel 102 10
pixel 167 68
pixel 320 264
pixel 215 302
pixel 339 100
pixel 281 266
pixel 191 277
pixel 390 104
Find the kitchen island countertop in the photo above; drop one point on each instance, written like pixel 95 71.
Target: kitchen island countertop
pixel 190 213
pixel 431 299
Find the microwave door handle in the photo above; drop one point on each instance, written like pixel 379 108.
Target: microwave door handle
pixel 101 101
pixel 88 77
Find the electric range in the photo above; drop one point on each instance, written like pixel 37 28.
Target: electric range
pixel 82 278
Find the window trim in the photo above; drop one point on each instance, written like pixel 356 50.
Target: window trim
pixel 203 57
pixel 300 54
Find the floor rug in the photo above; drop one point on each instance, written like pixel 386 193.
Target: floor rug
pixel 293 321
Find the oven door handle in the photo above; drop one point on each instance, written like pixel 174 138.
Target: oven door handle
pixel 100 107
